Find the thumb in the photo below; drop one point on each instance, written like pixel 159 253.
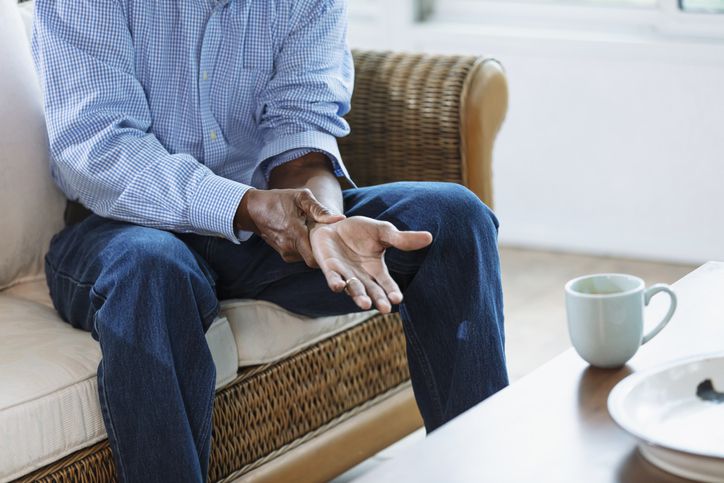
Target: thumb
pixel 407 240
pixel 315 210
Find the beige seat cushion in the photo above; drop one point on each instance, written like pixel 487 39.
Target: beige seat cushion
pixel 266 333
pixel 48 402
pixel 263 332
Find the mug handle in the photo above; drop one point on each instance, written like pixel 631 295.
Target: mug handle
pixel 648 295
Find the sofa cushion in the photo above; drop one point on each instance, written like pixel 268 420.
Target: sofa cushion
pixel 263 332
pixel 49 404
pixel 32 206
pixel 266 333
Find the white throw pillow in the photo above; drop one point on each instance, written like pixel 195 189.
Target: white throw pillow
pixel 31 207
pixel 26 13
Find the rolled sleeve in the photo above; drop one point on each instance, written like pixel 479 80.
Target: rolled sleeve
pixel 214 207
pixel 287 148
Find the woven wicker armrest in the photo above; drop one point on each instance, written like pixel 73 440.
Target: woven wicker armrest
pixel 426 118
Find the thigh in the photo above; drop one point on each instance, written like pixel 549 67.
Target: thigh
pixel 87 258
pixel 413 205
pixel 242 270
pixel 254 270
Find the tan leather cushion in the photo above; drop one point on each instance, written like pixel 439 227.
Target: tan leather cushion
pixel 31 205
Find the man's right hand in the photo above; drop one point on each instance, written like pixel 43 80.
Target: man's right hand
pixel 280 217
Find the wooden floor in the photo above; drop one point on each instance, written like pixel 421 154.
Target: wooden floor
pixel 535 317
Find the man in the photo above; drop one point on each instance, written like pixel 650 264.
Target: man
pixel 202 135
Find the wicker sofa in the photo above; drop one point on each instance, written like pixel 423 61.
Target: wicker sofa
pixel 312 413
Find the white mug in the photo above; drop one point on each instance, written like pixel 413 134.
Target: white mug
pixel 606 316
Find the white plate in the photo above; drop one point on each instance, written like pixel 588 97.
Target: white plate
pixel 674 413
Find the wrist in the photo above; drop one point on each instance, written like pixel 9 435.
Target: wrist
pixel 243 219
pixel 313 227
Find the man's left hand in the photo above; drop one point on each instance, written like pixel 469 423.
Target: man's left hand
pixel 351 255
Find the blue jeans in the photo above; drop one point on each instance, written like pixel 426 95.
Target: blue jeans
pixel 149 295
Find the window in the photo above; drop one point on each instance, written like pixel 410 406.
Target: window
pixel 594 2
pixel 708 6
pixel 683 18
pixel 712 6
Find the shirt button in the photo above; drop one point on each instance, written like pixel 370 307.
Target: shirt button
pixel 213 135
pixel 205 75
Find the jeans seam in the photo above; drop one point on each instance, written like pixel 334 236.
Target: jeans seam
pixel 424 362
pixel 205 432
pixel 99 295
pixel 67 276
pixel 112 433
pixel 111 429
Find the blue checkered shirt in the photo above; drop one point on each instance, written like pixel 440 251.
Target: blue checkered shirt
pixel 164 113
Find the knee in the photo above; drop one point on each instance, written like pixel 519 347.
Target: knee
pixel 148 260
pixel 145 251
pixel 453 208
pixel 151 281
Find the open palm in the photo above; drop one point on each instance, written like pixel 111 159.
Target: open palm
pixel 351 255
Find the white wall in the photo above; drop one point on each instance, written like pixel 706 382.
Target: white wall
pixel 614 144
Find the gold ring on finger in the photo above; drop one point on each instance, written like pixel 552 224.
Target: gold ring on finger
pixel 348 282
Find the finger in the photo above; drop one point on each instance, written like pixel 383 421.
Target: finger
pixel 352 285
pixel 384 280
pixel 290 256
pixel 378 295
pixel 356 289
pixel 315 210
pixel 285 250
pixel 405 240
pixel 302 245
pixel 336 275
pixel 305 250
pixel 334 280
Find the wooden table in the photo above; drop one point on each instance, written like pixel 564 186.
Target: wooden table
pixel 553 425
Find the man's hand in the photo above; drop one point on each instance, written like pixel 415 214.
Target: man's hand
pixel 351 255
pixel 280 217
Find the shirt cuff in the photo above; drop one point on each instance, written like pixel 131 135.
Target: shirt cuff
pixel 214 207
pixel 310 141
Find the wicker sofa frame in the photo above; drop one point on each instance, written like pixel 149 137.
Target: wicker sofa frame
pixel 323 410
